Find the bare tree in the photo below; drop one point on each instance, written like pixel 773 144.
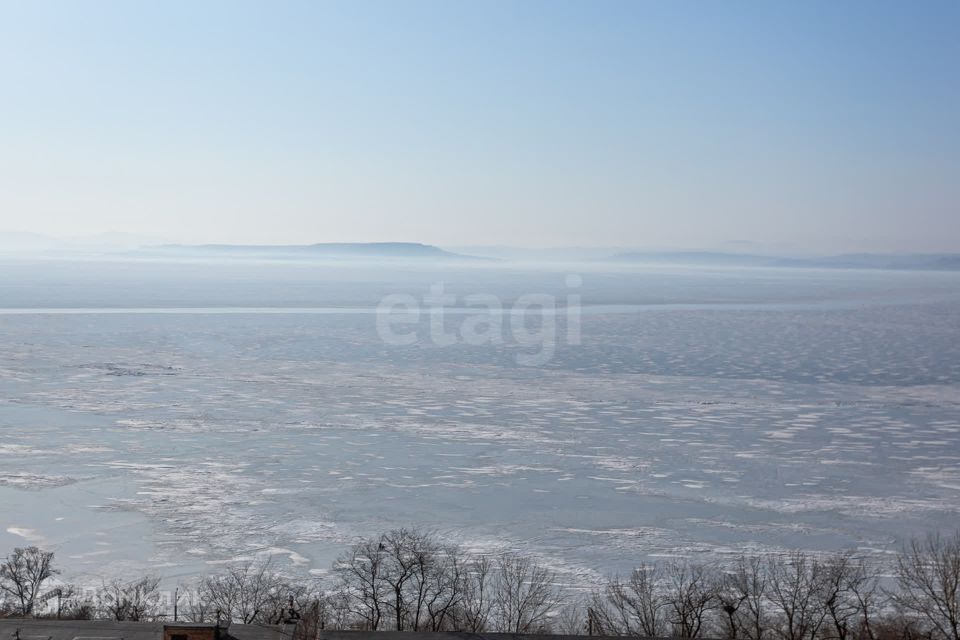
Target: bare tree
pixel 476 605
pixel 572 619
pixel 71 603
pixel 340 615
pixel 689 591
pixel 732 593
pixel 135 601
pixel 634 607
pixel 796 582
pixel 322 611
pixel 864 587
pixel 748 583
pixel 525 594
pixel 928 574
pixel 316 615
pixel 410 558
pixel 401 557
pixel 839 599
pixel 411 580
pixel 446 587
pixel 195 608
pixel 246 593
pixel 361 585
pixel 22 576
pixel 405 579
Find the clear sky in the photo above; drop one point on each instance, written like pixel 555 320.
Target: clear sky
pixel 819 125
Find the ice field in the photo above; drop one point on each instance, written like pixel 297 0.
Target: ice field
pixel 155 420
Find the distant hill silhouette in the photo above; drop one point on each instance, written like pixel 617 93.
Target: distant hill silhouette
pixel 933 261
pixel 357 250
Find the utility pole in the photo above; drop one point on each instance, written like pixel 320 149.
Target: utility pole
pixel 176 598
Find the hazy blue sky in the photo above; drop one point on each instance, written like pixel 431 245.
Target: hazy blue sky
pixel 825 125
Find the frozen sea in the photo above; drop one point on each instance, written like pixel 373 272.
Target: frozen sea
pixel 171 417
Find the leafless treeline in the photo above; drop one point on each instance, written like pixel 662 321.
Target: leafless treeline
pixel 414 581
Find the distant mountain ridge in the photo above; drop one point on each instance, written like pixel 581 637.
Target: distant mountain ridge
pixel 25 244
pixel 406 250
pixel 931 262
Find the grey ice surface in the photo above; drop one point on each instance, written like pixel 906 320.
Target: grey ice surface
pixel 702 414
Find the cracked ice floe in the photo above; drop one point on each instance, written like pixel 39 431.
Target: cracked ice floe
pixel 126 369
pixel 289 434
pixel 31 535
pixel 87 448
pixel 503 469
pixel 35 481
pixel 294 557
pixel 20 450
pixel 860 506
pixel 943 477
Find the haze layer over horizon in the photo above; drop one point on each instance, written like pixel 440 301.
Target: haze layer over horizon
pixel 828 127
